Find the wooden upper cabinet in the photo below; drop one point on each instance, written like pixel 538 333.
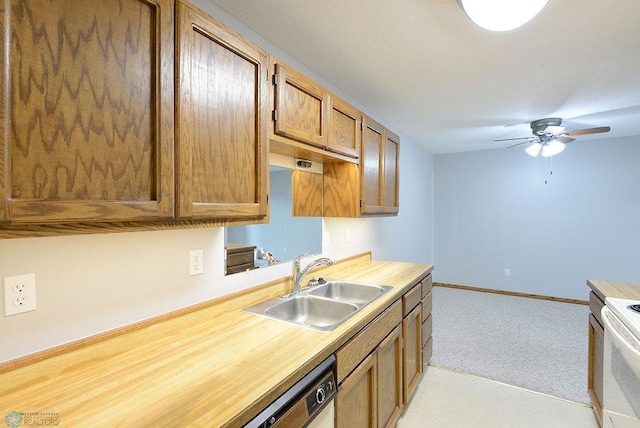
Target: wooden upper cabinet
pixel 391 176
pixel 379 169
pixel 344 128
pixel 300 107
pixel 86 111
pixel 371 167
pixel 221 107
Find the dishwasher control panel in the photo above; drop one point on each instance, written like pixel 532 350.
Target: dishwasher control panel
pixel 301 403
pixel 324 392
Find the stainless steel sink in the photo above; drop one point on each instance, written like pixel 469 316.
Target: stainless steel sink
pixel 352 292
pixel 310 311
pixel 322 307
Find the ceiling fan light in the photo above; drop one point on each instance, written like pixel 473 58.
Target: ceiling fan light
pixel 533 149
pixel 501 15
pixel 553 147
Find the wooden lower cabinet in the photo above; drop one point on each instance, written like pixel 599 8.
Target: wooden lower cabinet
pixel 412 352
pixel 371 396
pixel 356 402
pixel 389 359
pixel 596 355
pixel 427 319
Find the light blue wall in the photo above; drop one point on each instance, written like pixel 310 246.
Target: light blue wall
pixel 493 211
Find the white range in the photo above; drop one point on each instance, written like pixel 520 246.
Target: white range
pixel 621 374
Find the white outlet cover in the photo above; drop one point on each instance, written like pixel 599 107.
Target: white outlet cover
pixel 19 294
pixel 196 262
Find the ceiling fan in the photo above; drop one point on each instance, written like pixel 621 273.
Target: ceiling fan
pixel 549 136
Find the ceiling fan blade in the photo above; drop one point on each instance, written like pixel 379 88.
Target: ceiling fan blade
pixel 513 139
pixel 564 140
pixel 589 131
pixel 518 144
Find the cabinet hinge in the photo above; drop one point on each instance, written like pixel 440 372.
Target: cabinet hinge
pixel 361 126
pixel 274 79
pixel 274 115
pixel 361 204
pixel 267 199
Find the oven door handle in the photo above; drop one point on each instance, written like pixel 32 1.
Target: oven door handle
pixel 621 333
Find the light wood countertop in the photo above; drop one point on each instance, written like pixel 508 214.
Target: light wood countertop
pixel 215 366
pixel 623 290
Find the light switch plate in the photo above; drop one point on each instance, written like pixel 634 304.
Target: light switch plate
pixel 19 294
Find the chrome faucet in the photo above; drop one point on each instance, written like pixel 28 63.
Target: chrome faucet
pixel 298 274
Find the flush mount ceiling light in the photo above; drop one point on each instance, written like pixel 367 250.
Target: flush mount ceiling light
pixel 501 15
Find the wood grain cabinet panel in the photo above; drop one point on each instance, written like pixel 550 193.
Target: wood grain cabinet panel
pixel 222 121
pixel 307 193
pixel 596 357
pixel 344 124
pixel 86 111
pixel 389 359
pixel 390 172
pixel 412 353
pixel 300 107
pixel 356 402
pixel 379 169
pixel 371 167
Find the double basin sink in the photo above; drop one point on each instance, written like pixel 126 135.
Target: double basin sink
pixel 323 307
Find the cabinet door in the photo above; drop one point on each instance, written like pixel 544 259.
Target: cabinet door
pixel 412 352
pixel 222 126
pixel 86 111
pixel 389 360
pixel 391 173
pixel 371 164
pixel 356 402
pixel 344 124
pixel 300 107
pixel 596 355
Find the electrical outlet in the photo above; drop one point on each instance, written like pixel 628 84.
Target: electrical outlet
pixel 19 294
pixel 196 266
pixel 507 272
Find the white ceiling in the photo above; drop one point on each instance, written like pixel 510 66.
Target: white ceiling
pixel 427 71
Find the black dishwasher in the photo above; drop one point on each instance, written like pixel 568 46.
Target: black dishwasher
pixel 301 403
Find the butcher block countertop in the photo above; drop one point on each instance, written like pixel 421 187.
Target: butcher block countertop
pixel 622 290
pixel 211 365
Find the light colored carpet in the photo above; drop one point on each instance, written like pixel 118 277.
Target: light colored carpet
pixel 534 344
